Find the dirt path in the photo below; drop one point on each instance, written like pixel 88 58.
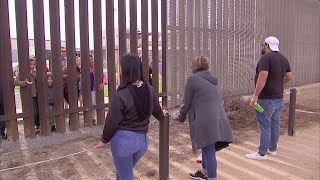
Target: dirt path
pixel 298 155
pixel 298 159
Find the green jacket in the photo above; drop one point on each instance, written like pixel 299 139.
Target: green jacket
pixel 22 83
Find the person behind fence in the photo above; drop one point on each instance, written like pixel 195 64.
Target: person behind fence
pixel 2 123
pixel 93 88
pixel 63 56
pixel 32 83
pixel 209 125
pixel 127 122
pixel 272 71
pixel 51 100
pixel 78 63
pixel 65 82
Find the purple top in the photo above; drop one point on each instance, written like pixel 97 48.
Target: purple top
pixel 92 81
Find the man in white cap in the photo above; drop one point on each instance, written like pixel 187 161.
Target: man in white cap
pixel 272 71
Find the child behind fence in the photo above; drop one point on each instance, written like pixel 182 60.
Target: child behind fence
pixel 31 82
pixel 51 101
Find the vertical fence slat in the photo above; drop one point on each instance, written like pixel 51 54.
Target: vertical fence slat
pixel 71 54
pixel 205 18
pixel 6 73
pixel 84 48
pixel 213 34
pixel 42 83
pixel 164 125
pixel 24 70
pixel 190 40
pixel 232 46
pixel 182 45
pixel 97 27
pixel 173 88
pixel 237 61
pixel 144 38
pixel 164 149
pixel 133 27
pixel 122 28
pixel 219 41
pixel 225 43
pixel 56 63
pixel 164 51
pixel 110 48
pixel 155 52
pixel 197 28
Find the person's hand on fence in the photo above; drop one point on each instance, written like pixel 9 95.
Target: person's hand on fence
pixel 28 82
pixel 165 112
pixel 179 118
pixel 101 145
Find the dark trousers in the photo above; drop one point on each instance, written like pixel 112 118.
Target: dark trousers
pixel 36 111
pixel 2 123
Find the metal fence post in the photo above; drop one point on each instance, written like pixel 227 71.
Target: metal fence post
pixel 292 113
pixel 164 149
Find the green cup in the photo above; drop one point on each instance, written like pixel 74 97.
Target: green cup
pixel 258 108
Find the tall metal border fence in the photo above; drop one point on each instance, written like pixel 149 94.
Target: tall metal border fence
pixel 78 115
pixel 230 34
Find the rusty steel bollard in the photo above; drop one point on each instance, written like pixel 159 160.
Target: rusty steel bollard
pixel 292 112
pixel 164 149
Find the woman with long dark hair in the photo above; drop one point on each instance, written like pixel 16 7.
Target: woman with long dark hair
pixel 127 121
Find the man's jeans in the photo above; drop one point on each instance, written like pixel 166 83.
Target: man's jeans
pixel 269 124
pixel 127 148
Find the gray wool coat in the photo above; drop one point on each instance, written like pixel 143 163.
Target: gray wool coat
pixel 203 104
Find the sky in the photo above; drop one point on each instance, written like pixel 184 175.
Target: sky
pixel 77 29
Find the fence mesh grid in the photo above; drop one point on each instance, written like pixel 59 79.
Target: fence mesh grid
pixel 230 33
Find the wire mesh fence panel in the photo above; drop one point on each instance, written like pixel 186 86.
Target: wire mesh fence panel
pixel 230 34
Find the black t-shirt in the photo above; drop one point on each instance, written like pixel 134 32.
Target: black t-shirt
pixel 277 66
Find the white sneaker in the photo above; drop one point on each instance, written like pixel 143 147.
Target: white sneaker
pixel 273 153
pixel 256 156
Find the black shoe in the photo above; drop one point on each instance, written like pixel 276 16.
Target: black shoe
pixel 198 175
pixel 53 128
pixel 3 136
pixel 37 129
pixel 94 122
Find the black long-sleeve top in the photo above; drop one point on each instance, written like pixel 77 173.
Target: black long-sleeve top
pixel 122 114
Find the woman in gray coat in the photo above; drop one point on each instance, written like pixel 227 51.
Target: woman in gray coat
pixel 210 129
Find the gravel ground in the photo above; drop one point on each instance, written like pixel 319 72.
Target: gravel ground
pixel 53 139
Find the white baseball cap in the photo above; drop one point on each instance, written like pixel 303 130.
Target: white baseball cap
pixel 273 43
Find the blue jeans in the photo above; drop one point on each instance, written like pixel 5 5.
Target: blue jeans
pixel 127 148
pixel 269 124
pixel 209 161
